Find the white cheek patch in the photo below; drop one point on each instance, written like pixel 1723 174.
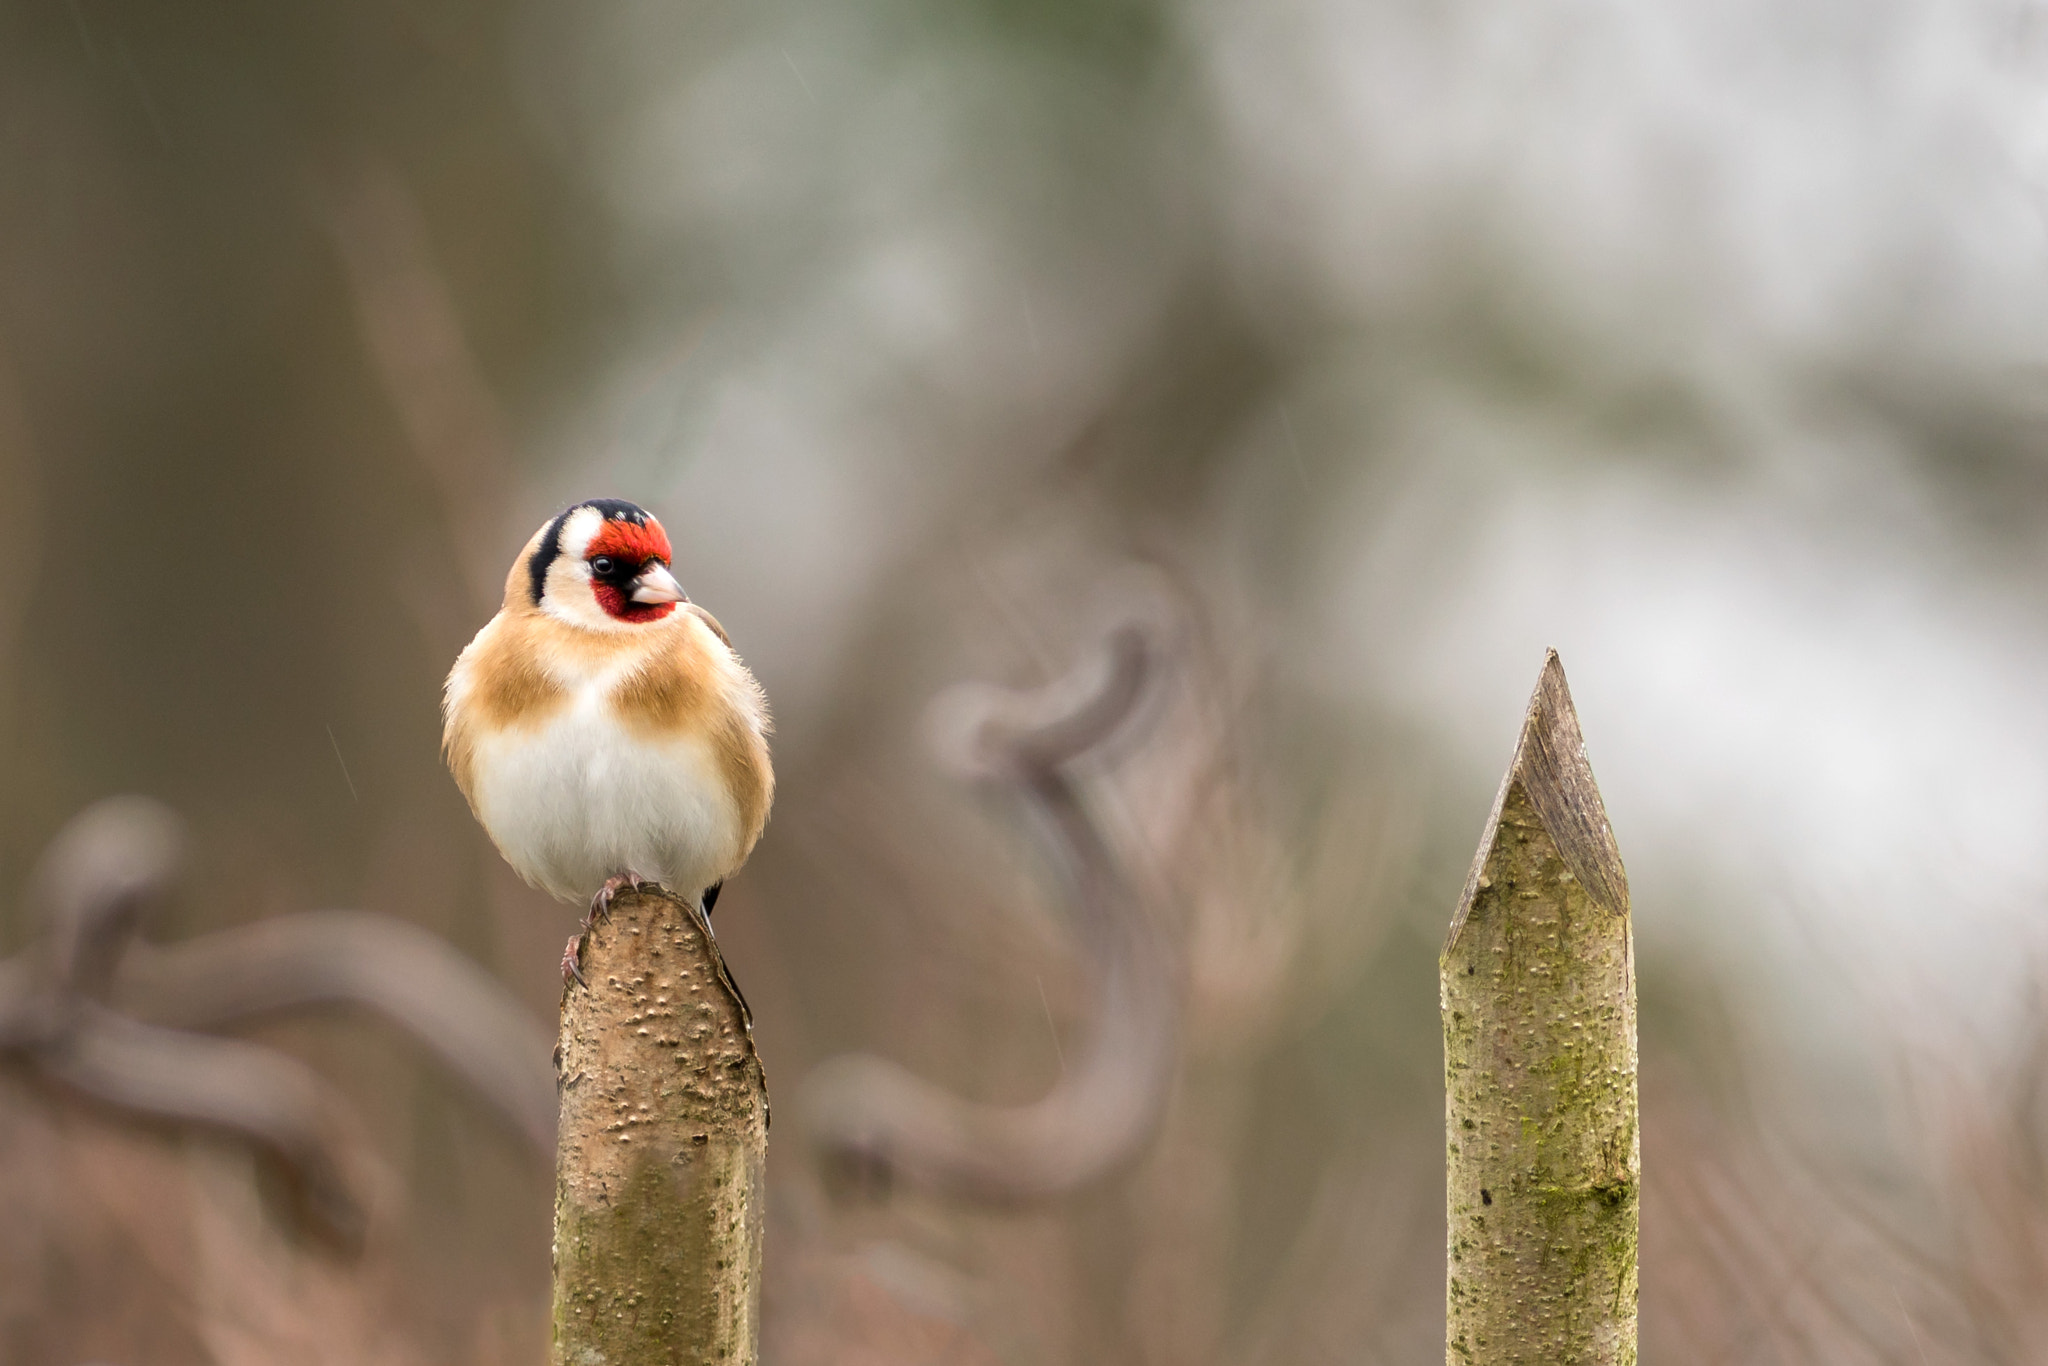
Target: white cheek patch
pixel 579 531
pixel 567 594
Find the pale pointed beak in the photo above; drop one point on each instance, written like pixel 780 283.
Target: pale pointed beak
pixel 656 584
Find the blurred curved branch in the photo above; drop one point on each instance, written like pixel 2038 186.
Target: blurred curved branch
pixel 873 1119
pixel 63 1005
pixel 270 1101
pixel 357 958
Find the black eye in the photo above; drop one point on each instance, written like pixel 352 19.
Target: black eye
pixel 603 566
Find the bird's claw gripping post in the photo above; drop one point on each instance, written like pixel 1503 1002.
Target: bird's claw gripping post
pixel 601 904
pixel 600 909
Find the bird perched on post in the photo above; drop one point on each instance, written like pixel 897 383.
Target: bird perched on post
pixel 600 724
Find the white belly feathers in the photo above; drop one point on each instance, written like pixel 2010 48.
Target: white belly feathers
pixel 578 799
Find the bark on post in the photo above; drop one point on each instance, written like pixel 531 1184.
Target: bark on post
pixel 1539 1009
pixel 662 1149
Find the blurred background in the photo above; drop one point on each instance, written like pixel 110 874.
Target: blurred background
pixel 1384 343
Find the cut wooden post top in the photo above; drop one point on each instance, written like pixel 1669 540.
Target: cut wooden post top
pixel 1549 765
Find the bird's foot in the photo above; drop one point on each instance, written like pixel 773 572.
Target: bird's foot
pixel 601 904
pixel 600 909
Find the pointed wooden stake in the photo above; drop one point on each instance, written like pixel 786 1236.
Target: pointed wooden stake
pixel 1539 1007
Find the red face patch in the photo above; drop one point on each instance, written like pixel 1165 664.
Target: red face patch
pixel 634 542
pixel 632 545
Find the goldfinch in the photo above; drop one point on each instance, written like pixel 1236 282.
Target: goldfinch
pixel 601 726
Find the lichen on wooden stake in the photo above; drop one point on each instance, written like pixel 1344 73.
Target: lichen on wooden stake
pixel 1543 1163
pixel 661 1150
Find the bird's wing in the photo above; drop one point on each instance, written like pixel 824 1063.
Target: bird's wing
pixel 710 621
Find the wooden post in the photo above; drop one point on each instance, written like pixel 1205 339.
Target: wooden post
pixel 661 1150
pixel 1539 1008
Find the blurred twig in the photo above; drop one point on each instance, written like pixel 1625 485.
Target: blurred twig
pixel 420 352
pixel 61 1010
pixel 22 524
pixel 874 1119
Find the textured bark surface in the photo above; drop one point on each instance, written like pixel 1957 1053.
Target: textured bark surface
pixel 1538 995
pixel 663 1145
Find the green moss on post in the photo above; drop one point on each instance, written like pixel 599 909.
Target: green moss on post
pixel 1539 1008
pixel 661 1150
